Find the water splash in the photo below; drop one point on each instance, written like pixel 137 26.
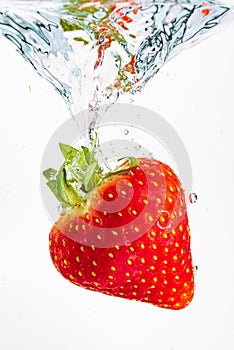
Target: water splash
pixel 40 40
pixel 93 51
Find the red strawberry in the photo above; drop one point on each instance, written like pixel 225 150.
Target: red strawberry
pixel 125 233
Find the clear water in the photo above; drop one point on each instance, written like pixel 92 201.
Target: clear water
pixel 92 52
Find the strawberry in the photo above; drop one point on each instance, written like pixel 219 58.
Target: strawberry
pixel 124 233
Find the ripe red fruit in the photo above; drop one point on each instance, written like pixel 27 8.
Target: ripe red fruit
pixel 125 234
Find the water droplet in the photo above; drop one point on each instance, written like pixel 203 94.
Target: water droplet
pixel 131 100
pixel 138 147
pixel 126 131
pixel 195 268
pixel 193 197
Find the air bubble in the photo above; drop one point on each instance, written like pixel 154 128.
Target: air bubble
pixel 6 11
pixel 193 197
pixel 138 147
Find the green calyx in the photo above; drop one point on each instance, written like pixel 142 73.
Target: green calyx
pixel 80 174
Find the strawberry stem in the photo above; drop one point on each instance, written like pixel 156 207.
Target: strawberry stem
pixel 80 174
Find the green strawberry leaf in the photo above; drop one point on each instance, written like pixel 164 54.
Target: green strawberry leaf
pixel 80 174
pixel 54 189
pixel 90 178
pixel 86 152
pixel 50 174
pixel 66 192
pixel 68 151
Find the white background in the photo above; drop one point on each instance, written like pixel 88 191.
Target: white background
pixel 38 308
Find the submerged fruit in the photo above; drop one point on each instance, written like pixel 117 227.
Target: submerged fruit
pixel 123 234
